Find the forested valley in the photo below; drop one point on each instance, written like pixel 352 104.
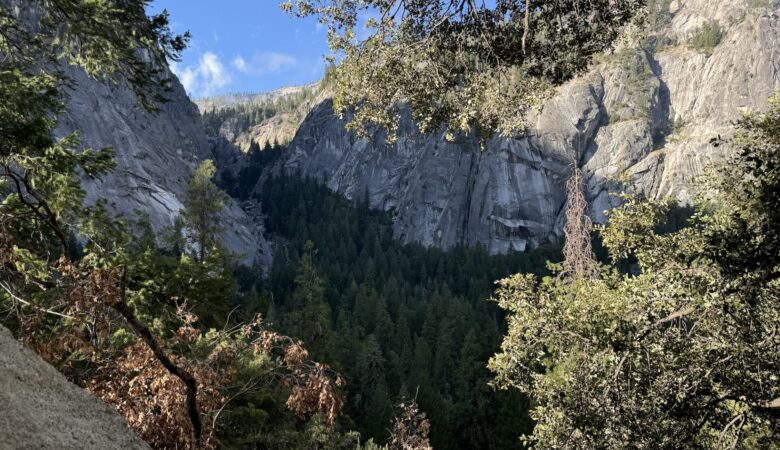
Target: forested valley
pixel 598 188
pixel 399 321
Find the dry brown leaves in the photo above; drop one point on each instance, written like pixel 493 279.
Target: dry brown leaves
pixel 410 429
pixel 134 380
pixel 314 387
pixel 153 401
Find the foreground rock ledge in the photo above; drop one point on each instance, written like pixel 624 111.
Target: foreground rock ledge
pixel 41 409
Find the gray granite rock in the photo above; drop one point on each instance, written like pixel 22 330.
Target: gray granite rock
pixel 41 409
pixel 156 154
pixel 645 116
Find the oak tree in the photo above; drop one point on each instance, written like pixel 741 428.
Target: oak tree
pixel 464 64
pixel 682 355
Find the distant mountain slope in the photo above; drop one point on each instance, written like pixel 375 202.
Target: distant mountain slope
pixel 262 118
pixel 225 101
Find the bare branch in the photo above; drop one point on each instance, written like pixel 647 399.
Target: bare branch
pixel 16 298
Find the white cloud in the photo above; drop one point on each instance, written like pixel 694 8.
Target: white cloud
pixel 188 79
pixel 212 70
pixel 265 62
pixel 205 78
pixel 240 64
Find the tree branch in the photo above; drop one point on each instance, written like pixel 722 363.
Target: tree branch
pixel 673 316
pixel 771 407
pixel 16 298
pixel 22 185
pixel 143 331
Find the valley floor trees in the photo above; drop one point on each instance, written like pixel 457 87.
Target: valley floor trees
pixel 404 319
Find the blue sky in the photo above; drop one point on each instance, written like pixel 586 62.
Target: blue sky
pixel 244 46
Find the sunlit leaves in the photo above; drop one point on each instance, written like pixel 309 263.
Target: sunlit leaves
pixel 462 65
pixel 684 353
pixel 106 40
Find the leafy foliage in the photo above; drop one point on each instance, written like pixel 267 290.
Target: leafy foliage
pixel 683 354
pixel 707 38
pixel 118 43
pixel 484 64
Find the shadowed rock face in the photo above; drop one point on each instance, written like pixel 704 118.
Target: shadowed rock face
pixel 40 409
pixel 647 116
pixel 156 155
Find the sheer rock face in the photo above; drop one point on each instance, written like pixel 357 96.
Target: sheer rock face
pixel 156 154
pixel 41 409
pixel 647 116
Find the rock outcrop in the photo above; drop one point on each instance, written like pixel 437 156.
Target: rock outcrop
pixel 646 115
pixel 156 154
pixel 41 409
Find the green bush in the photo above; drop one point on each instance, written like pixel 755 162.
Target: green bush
pixel 707 38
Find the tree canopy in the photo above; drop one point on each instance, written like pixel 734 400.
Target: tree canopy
pixel 107 40
pixel 459 63
pixel 683 355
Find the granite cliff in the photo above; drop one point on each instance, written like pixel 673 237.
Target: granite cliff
pixel 156 155
pixel 645 113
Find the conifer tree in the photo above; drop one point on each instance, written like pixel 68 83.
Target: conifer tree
pixel 375 409
pixel 310 319
pixel 203 203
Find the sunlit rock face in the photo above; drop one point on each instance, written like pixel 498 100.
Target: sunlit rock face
pixel 156 153
pixel 43 410
pixel 646 117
